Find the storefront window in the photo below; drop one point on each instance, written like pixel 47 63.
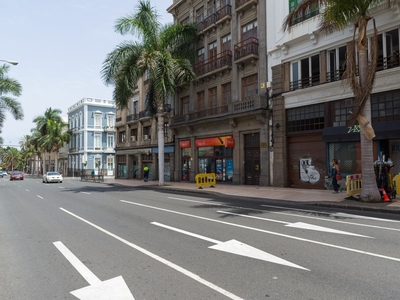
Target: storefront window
pixel 216 160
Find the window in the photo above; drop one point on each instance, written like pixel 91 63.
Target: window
pixel 212 8
pixel 97 142
pixel 134 132
pixel 212 97
pixel 340 110
pixel 166 129
pixel 146 133
pixel 226 94
pixel 185 105
pixel 200 15
pixel 122 137
pixel 80 120
pixel 305 73
pixel 388 50
pixel 200 55
pixel 249 30
pixel 250 87
pixel 200 101
pixel 226 43
pixel 110 141
pixel 336 63
pixel 385 106
pixel 212 50
pixel 305 118
pixel 97 120
pixel 110 163
pixel 224 2
pixel 110 120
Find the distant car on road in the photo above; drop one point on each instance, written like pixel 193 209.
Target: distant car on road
pixel 52 177
pixel 2 173
pixel 16 175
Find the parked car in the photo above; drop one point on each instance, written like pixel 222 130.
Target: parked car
pixel 16 175
pixel 52 177
pixel 2 174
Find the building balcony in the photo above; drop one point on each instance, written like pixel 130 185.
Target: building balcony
pixel 215 64
pixel 209 112
pixel 305 82
pixel 108 149
pixel 71 150
pixel 118 120
pixel 144 114
pixel 109 128
pixel 207 23
pixel 132 118
pixel 235 108
pixel 224 14
pixel 242 5
pixel 246 50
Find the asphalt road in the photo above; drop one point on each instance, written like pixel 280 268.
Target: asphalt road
pixel 89 238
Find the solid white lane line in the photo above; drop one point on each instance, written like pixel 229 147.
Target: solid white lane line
pixel 77 264
pixel 291 215
pixel 27 190
pixel 160 259
pixel 39 196
pixel 266 231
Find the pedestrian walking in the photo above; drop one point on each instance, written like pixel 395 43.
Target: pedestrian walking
pixel 146 173
pixel 335 174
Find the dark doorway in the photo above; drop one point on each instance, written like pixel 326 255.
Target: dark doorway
pixel 252 158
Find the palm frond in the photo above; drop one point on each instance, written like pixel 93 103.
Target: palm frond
pixel 300 10
pixel 13 106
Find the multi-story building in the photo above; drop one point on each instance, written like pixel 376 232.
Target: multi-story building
pixel 137 143
pixel 92 145
pixel 221 122
pixel 311 103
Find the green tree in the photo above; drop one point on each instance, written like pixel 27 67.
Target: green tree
pixel 11 158
pixel 50 134
pixel 9 86
pixel 338 15
pixel 27 152
pixel 164 55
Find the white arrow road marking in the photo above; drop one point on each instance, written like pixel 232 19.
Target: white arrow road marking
pixel 330 214
pixel 236 247
pixel 115 288
pixel 266 231
pixel 160 259
pixel 300 225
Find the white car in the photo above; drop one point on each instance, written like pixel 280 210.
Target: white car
pixel 52 177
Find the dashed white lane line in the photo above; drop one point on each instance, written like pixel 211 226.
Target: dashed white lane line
pixel 39 196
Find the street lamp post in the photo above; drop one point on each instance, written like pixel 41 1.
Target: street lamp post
pixel 13 62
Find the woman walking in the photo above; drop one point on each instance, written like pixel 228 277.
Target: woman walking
pixel 335 170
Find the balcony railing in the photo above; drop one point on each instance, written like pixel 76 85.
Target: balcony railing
pixel 209 112
pixel 206 23
pixel 305 82
pixel 119 119
pixel 209 65
pixel 144 114
pixel 248 47
pixel 238 107
pixel 255 103
pixel 132 117
pixel 224 13
pixel 305 17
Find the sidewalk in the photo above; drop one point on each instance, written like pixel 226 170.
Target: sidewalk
pixel 322 198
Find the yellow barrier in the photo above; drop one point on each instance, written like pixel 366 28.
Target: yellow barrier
pixel 207 179
pixel 353 184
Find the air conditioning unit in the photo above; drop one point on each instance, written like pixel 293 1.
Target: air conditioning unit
pixel 133 138
pixel 146 137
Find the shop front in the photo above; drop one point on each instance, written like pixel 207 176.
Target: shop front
pixel 215 155
pixel 167 161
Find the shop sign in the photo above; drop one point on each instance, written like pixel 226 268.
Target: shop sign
pixel 184 144
pixel 354 128
pixel 226 141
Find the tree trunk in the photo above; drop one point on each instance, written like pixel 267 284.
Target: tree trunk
pixel 369 188
pixel 160 136
pixel 56 161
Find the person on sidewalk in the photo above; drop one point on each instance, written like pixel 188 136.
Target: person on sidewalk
pixel 335 170
pixel 146 173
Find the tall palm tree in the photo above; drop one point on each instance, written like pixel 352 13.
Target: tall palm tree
pixel 9 86
pixel 45 131
pixel 338 15
pixel 164 54
pixel 27 151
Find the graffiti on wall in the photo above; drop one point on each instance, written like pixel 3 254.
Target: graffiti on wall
pixel 308 173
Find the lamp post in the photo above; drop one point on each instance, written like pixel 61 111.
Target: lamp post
pixel 12 62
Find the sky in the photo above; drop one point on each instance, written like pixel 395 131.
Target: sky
pixel 60 47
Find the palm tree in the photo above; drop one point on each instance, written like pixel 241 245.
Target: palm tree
pixel 7 103
pixel 46 131
pixel 164 55
pixel 338 15
pixel 11 158
pixel 27 151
